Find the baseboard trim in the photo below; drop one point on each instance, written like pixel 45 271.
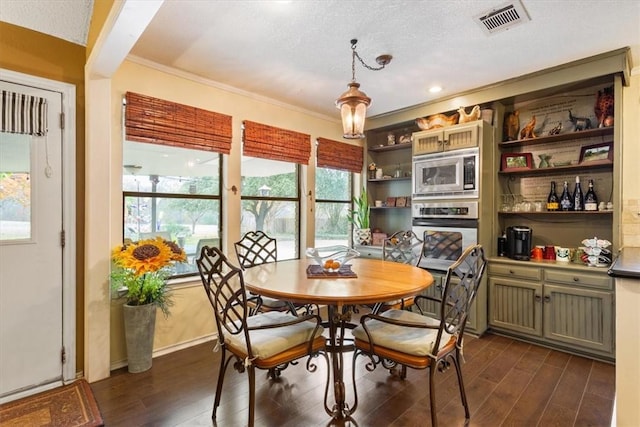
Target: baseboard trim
pixel 169 349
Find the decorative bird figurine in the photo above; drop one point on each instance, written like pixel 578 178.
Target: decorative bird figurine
pixel 472 116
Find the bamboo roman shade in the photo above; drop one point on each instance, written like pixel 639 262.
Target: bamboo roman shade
pixel 157 121
pixel 338 155
pixel 273 143
pixel 23 114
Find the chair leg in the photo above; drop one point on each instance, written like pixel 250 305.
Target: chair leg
pixel 251 371
pixel 463 394
pixel 224 362
pixel 432 393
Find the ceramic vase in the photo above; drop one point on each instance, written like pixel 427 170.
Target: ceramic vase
pixel 139 327
pixel 362 236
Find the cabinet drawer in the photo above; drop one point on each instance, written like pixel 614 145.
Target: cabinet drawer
pixel 515 271
pixel 579 278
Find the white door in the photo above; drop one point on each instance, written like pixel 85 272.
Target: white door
pixel 31 253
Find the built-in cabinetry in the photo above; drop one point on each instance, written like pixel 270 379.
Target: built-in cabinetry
pixel 446 139
pixel 564 305
pixel 522 192
pixel 392 189
pixel 568 306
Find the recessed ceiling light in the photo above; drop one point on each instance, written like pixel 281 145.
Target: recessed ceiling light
pixel 435 89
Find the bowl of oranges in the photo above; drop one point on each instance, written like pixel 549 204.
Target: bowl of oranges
pixel 331 258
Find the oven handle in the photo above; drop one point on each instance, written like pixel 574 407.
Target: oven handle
pixel 445 222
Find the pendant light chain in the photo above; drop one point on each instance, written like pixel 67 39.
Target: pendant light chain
pixel 364 64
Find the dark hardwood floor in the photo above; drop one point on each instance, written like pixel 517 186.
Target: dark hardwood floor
pixel 508 383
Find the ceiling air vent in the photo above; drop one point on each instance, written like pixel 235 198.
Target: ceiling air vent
pixel 502 18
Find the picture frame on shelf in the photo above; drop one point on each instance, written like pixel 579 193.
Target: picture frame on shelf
pixel 401 202
pixel 391 202
pixel 600 153
pixel 516 161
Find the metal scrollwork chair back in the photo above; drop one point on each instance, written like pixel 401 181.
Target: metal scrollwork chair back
pixel 404 247
pixel 401 338
pixel 257 248
pixel 269 341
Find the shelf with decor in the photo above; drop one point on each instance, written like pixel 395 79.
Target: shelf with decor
pixel 604 165
pixel 402 178
pixel 554 213
pixel 587 133
pixel 389 149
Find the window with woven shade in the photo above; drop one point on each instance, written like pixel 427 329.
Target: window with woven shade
pixel 171 179
pixel 338 155
pixel 270 190
pixel 157 121
pixel 336 163
pixel 269 142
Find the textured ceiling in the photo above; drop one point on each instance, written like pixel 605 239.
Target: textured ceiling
pixel 65 19
pixel 298 52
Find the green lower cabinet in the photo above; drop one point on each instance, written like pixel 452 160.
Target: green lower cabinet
pixel 579 317
pixel 570 308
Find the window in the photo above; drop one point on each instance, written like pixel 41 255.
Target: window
pixel 333 201
pixel 271 202
pixel 336 163
pixel 15 186
pixel 174 193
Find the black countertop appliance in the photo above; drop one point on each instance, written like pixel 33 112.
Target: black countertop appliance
pixel 519 242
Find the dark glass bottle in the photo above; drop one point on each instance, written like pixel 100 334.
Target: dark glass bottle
pixel 553 203
pixel 566 201
pixel 590 199
pixel 578 196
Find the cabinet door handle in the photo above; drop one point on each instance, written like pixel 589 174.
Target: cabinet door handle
pixel 576 279
pixel 537 298
pixel 445 142
pixel 547 298
pixel 511 272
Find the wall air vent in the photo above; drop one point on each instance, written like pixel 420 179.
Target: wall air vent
pixel 502 17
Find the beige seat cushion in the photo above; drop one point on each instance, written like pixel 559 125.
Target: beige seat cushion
pixel 414 341
pixel 268 342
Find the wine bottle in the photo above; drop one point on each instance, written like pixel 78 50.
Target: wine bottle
pixel 578 197
pixel 566 202
pixel 590 199
pixel 552 200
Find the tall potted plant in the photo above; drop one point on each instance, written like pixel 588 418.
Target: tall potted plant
pixel 359 217
pixel 140 274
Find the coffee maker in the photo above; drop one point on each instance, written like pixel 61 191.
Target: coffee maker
pixel 519 242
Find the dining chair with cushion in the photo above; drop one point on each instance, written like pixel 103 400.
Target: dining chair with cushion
pixel 269 341
pixel 404 247
pixel 410 339
pixel 256 248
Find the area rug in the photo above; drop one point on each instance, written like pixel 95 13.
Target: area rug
pixel 72 405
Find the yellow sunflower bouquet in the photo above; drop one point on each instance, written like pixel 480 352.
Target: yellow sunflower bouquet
pixel 141 270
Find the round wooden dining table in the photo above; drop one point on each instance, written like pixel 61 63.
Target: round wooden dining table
pixel 375 281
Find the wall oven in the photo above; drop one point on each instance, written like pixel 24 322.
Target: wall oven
pixel 447 228
pixel 449 174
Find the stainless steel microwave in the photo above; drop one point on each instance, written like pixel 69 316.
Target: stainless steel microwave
pixel 449 174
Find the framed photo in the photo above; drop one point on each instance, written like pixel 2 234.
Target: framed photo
pixel 597 153
pixel 401 202
pixel 391 202
pixel 516 161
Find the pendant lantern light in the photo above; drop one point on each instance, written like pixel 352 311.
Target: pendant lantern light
pixel 353 103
